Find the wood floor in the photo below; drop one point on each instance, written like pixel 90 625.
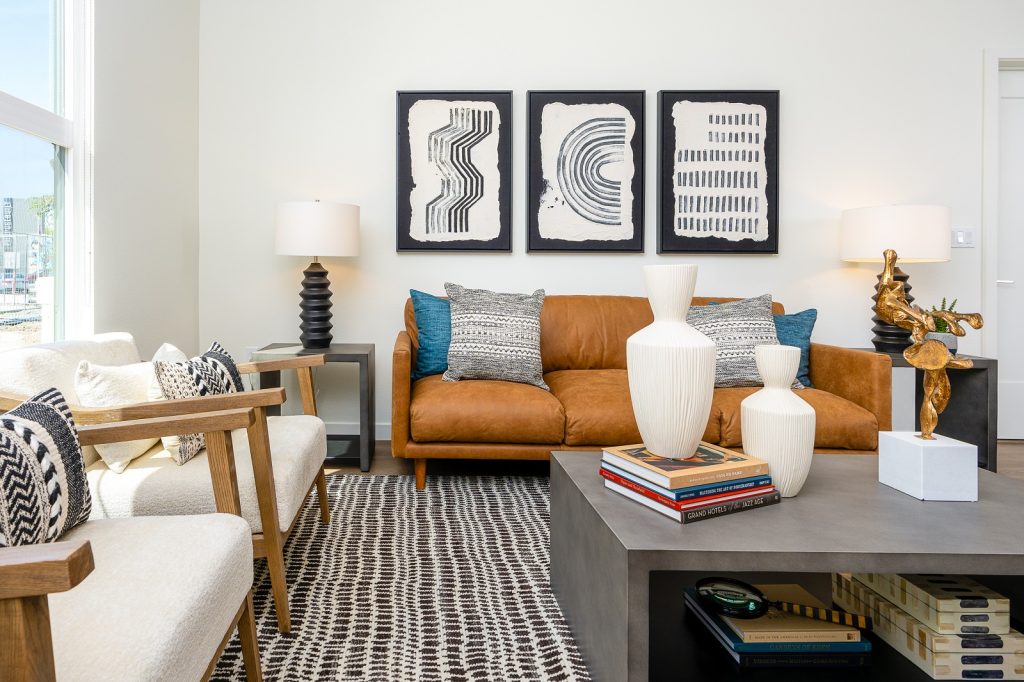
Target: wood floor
pixel 1011 463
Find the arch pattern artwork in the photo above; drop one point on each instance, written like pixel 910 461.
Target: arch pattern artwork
pixel 583 155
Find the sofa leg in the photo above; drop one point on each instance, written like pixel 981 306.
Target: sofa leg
pixel 249 642
pixel 321 493
pixel 420 466
pixel 279 582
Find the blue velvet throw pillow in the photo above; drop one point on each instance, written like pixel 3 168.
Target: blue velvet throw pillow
pixel 434 324
pixel 795 330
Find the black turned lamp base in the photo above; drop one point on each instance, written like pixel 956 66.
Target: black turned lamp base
pixel 888 337
pixel 316 307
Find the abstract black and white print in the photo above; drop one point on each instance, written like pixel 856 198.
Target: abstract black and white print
pixel 586 165
pixel 452 178
pixel 720 156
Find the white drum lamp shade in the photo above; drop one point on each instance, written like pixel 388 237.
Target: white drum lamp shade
pixel 317 229
pixel 917 233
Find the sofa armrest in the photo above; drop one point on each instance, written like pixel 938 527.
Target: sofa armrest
pixel 401 393
pixel 862 377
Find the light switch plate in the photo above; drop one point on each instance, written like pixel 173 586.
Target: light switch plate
pixel 963 238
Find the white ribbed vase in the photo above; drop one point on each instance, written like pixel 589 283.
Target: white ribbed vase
pixel 777 426
pixel 671 367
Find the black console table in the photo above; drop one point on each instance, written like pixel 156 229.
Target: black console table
pixel 343 450
pixel 973 410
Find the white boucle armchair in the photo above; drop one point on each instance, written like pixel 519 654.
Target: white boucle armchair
pixel 145 599
pixel 278 460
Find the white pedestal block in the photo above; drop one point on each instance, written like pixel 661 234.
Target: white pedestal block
pixel 940 469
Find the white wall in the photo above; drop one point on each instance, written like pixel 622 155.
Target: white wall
pixel 146 166
pixel 881 103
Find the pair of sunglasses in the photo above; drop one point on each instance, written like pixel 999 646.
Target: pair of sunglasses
pixel 737 599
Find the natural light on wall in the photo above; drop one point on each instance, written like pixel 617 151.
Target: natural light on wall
pixel 45 170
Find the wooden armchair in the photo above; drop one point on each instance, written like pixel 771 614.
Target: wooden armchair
pixel 152 598
pixel 280 460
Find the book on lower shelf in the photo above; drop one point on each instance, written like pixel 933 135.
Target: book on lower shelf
pixel 942 656
pixel 779 653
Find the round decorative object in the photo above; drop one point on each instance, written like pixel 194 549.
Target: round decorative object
pixel 671 367
pixel 777 426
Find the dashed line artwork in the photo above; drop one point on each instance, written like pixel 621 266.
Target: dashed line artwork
pixel 587 170
pixel 719 171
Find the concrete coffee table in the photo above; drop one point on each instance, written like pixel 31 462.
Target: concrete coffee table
pixel 618 568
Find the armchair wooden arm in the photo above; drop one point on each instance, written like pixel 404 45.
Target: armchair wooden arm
pixel 303 366
pixel 157 427
pixel 27 575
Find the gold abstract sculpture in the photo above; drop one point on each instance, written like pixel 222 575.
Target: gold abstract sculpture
pixel 929 355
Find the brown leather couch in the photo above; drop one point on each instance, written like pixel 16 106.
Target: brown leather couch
pixel 583 347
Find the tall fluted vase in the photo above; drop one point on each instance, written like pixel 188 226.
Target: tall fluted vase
pixel 671 367
pixel 777 426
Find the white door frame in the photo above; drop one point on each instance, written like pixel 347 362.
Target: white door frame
pixel 996 60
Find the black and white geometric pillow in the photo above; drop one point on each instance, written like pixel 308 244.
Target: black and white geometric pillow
pixel 495 336
pixel 212 373
pixel 43 489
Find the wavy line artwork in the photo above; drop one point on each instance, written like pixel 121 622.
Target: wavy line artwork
pixel 454 150
pixel 587 169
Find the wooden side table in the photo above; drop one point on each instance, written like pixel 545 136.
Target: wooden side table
pixel 342 450
pixel 973 411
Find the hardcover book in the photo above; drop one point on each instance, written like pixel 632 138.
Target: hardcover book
pixel 710 464
pixel 680 505
pixel 946 593
pixel 977 664
pixel 698 513
pixel 780 626
pixel 693 491
pixel 778 655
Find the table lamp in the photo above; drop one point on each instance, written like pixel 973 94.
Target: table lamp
pixel 917 233
pixel 316 229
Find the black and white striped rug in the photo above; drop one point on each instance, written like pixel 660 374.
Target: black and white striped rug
pixel 450 583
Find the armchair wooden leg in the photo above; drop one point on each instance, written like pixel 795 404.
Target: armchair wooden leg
pixel 321 494
pixel 250 645
pixel 26 652
pixel 278 579
pixel 420 466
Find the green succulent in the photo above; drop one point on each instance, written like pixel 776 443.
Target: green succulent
pixel 940 324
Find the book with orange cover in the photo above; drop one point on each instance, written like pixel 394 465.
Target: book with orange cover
pixel 710 464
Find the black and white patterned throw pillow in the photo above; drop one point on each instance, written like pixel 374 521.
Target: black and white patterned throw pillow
pixel 212 373
pixel 736 328
pixel 495 336
pixel 43 489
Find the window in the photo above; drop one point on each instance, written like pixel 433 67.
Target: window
pixel 45 170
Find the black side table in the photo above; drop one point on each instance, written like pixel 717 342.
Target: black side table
pixel 973 410
pixel 342 450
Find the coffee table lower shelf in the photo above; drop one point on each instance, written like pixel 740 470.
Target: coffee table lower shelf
pixel 681 648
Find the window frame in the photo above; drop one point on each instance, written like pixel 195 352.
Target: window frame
pixel 74 133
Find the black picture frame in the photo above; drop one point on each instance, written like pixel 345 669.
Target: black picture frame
pixel 404 241
pixel 668 241
pixel 634 102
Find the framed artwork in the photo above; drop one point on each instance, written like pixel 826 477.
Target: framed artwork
pixel 454 185
pixel 586 171
pixel 718 162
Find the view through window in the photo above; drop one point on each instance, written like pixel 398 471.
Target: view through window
pixel 33 170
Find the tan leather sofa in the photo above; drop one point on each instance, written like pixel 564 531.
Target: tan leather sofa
pixel 583 347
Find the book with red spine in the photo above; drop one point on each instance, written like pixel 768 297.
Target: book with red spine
pixel 693 503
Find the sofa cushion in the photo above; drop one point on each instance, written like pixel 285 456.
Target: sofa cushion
pixel 484 411
pixel 839 423
pixel 159 601
pixel 598 410
pixel 113 386
pixel 154 485
pixel 434 322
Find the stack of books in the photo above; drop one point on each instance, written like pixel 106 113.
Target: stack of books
pixel 714 482
pixel 784 640
pixel 951 627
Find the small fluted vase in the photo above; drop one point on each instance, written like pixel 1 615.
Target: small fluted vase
pixel 671 367
pixel 777 426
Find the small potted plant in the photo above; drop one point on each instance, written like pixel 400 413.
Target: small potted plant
pixel 942 332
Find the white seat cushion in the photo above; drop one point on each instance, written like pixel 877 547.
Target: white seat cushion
pixel 157 605
pixel 153 485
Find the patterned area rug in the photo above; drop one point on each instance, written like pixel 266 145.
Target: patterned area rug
pixel 446 584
